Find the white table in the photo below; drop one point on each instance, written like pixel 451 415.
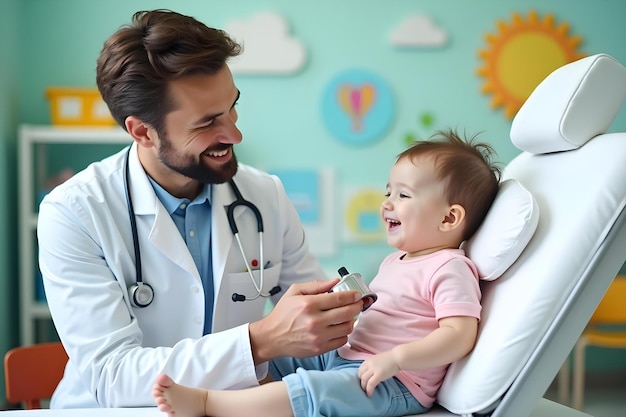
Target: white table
pixel 545 408
pixel 83 412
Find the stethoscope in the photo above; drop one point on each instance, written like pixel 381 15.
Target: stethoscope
pixel 230 209
pixel 141 293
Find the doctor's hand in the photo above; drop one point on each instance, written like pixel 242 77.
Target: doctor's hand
pixel 307 321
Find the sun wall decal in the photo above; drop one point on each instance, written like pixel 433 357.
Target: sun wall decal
pixel 521 54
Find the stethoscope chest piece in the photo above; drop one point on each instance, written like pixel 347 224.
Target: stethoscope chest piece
pixel 355 282
pixel 141 294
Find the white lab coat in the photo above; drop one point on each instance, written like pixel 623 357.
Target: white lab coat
pixel 87 261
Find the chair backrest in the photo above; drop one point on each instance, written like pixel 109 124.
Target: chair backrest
pixel 534 312
pixel 33 372
pixel 612 308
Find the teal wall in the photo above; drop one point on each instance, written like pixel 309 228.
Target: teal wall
pixel 57 42
pixel 9 55
pixel 280 116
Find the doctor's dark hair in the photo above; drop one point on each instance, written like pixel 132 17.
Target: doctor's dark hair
pixel 471 179
pixel 139 60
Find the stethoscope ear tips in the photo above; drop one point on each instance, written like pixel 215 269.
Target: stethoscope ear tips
pixel 238 297
pixel 275 290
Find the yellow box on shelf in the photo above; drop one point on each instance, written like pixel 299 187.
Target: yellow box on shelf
pixel 78 106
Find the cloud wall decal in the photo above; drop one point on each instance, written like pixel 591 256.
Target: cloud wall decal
pixel 268 47
pixel 418 31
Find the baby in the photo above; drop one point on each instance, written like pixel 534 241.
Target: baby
pixel 427 312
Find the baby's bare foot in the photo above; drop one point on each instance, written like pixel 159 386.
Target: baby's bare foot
pixel 177 400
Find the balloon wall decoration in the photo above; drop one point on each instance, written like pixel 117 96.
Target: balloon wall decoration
pixel 357 107
pixel 356 101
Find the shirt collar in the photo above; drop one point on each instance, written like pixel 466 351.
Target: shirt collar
pixel 172 203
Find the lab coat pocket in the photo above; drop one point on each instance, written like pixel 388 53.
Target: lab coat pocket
pixel 246 304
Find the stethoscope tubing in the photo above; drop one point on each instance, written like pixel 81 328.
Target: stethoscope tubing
pixel 258 287
pixel 240 201
pixel 133 223
pixel 230 215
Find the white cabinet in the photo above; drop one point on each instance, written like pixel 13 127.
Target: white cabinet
pixel 46 152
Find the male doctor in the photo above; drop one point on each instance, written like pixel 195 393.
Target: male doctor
pixel 179 298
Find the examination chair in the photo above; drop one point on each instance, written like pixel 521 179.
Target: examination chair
pixel 550 245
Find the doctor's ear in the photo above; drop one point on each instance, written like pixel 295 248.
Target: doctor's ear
pixel 141 132
pixel 453 219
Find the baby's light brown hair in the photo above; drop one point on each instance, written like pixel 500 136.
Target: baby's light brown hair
pixel 466 168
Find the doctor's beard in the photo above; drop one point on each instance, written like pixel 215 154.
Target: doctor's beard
pixel 195 169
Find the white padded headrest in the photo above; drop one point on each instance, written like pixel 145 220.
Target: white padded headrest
pixel 506 230
pixel 573 104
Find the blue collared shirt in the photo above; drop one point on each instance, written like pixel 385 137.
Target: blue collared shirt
pixel 193 221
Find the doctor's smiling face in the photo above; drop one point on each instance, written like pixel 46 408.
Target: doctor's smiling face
pixel 195 145
pixel 200 131
pixel 165 79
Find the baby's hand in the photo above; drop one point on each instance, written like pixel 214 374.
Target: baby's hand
pixel 377 369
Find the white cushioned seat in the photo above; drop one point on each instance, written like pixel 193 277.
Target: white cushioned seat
pixel 533 313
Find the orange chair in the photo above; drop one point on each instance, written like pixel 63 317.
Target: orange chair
pixel 32 372
pixel 606 328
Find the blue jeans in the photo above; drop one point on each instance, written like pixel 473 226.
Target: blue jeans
pixel 328 385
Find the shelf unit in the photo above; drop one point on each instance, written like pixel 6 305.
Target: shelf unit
pixel 78 147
